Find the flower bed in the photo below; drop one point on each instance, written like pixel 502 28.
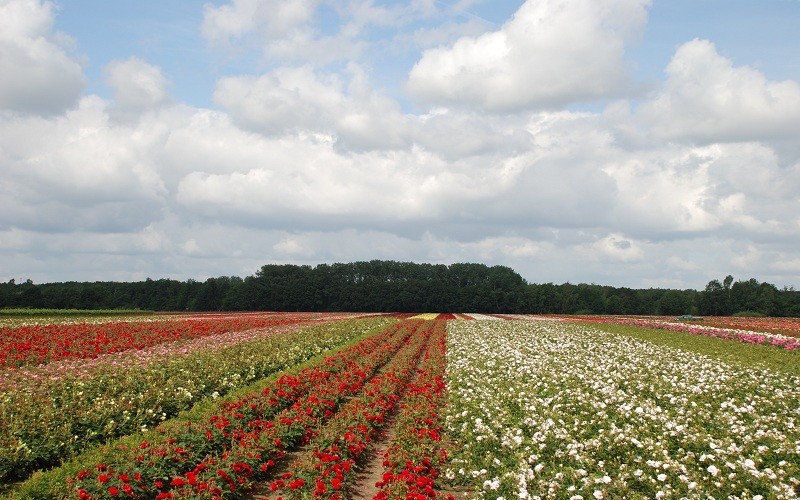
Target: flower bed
pixel 413 461
pixel 37 344
pixel 746 336
pixel 135 400
pixel 551 409
pixel 240 436
pixel 328 467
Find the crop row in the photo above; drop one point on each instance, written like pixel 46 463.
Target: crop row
pixel 51 415
pixel 245 430
pixel 37 344
pixel 789 327
pixel 414 458
pixel 327 467
pixel 308 420
pixel 784 340
pixel 551 409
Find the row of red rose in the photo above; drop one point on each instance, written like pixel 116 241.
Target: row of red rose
pixel 327 468
pixel 412 461
pixel 244 435
pixel 36 344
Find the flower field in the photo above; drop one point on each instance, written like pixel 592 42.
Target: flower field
pixel 779 332
pixel 789 327
pixel 42 343
pixel 553 409
pixel 322 406
pixel 55 410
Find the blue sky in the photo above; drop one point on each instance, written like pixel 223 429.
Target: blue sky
pixel 760 34
pixel 625 142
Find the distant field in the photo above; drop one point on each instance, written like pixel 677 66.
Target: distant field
pixel 320 405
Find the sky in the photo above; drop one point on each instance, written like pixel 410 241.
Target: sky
pixel 638 143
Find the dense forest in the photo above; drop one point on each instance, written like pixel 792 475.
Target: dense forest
pixel 382 286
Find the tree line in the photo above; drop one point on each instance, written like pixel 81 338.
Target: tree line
pixel 390 286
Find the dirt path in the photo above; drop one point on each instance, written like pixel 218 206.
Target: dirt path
pixel 372 470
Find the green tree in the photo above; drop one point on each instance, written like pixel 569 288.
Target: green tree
pixel 674 302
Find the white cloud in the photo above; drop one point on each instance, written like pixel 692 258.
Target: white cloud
pixel 301 181
pixel 293 99
pixel 458 168
pixel 707 99
pixel 271 19
pixel 283 100
pixel 39 76
pixel 191 247
pixel 293 246
pixel 682 264
pixel 553 52
pixel 137 85
pixel 787 263
pixel 747 258
pixel 446 33
pixel 305 163
pixel 617 247
pixel 305 46
pixel 724 188
pixel 500 248
pixel 537 193
pixel 76 171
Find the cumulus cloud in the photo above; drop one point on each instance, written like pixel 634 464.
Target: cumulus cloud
pixel 293 246
pixel 305 163
pixel 292 99
pixel 137 85
pixel 77 172
pixel 500 248
pixel 617 247
pixel 707 99
pixel 534 192
pixel 458 170
pixel 39 75
pixel 323 32
pixel 551 53
pixel 304 183
pixel 722 188
pixel 271 19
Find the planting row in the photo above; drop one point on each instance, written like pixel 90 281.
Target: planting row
pixel 782 340
pixel 551 409
pixel 327 467
pixel 236 436
pixel 37 344
pixel 789 327
pixel 330 466
pixel 52 412
pixel 417 453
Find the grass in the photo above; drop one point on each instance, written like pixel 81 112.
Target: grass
pixel 730 351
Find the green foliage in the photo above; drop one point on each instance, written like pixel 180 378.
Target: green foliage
pixel 375 286
pixel 749 314
pixel 391 286
pixel 26 312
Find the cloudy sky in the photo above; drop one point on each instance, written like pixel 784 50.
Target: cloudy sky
pixel 641 143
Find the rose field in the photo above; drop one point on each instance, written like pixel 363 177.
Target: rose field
pixel 398 406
